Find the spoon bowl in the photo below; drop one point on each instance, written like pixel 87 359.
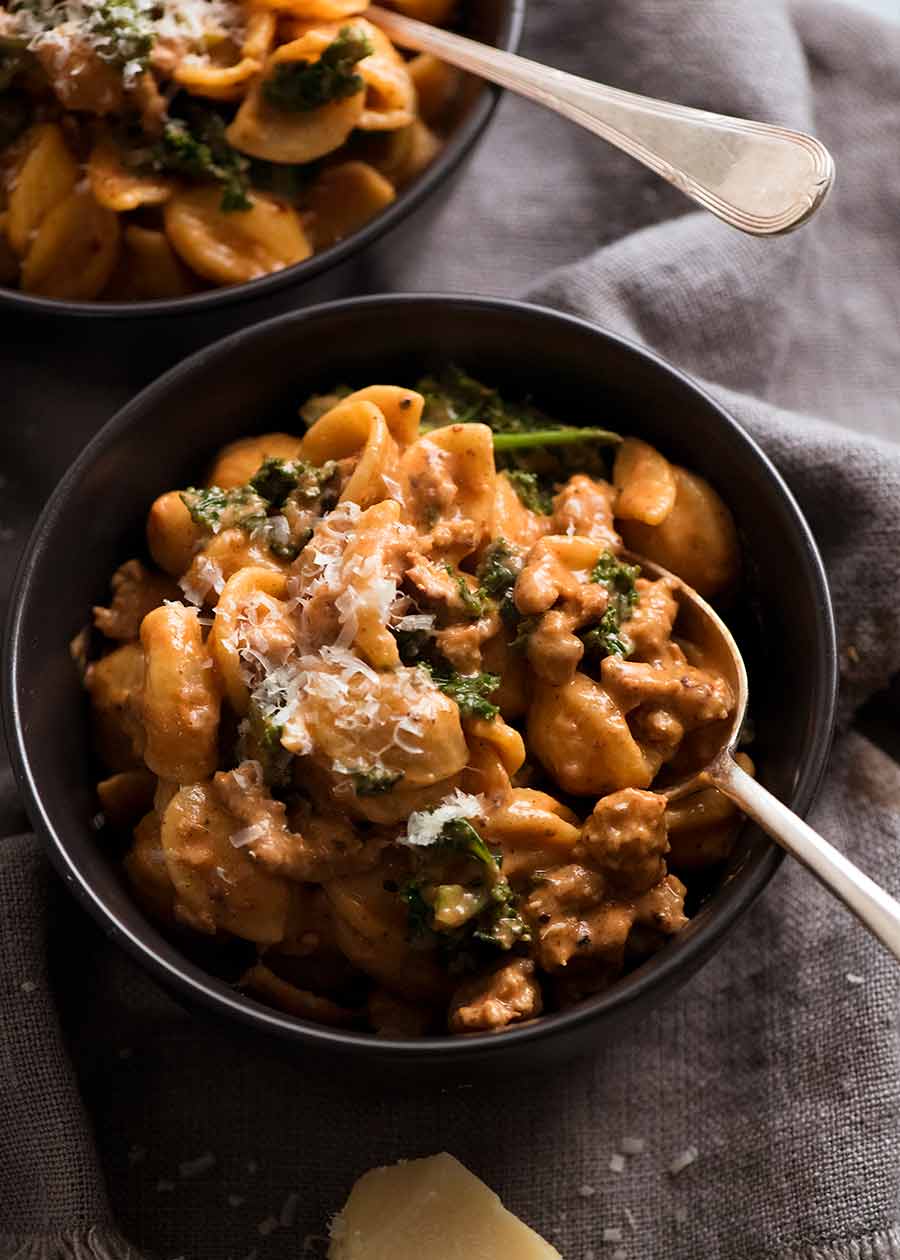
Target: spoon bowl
pixel 876 909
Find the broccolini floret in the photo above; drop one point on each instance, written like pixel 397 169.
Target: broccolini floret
pixel 299 86
pixel 606 639
pixel 376 781
pixel 470 691
pixel 276 479
pixel 524 436
pixel 216 509
pixel 528 487
pixel 464 922
pixel 202 152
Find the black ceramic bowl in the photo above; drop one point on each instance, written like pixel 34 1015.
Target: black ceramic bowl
pixel 496 22
pixel 253 381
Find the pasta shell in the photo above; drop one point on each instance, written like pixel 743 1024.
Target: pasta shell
pixel 75 250
pixel 47 175
pixel 231 247
pixel 118 188
pixel 344 197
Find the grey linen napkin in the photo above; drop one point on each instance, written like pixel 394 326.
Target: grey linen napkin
pixel 121 1116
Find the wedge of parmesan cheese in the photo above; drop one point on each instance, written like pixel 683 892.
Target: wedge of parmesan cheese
pixel 432 1208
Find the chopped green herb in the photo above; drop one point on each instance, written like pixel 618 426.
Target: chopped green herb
pixel 299 86
pixel 278 478
pixel 473 601
pixel 418 911
pixel 470 691
pixel 464 923
pixel 413 645
pixel 606 639
pixel 619 578
pixel 497 573
pixel 202 152
pixel 503 926
pixel 376 781
pixel 216 509
pixel 526 627
pixel 500 565
pixel 461 837
pixel 528 487
pixel 259 739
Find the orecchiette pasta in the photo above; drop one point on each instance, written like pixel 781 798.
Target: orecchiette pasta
pixel 181 696
pixel 344 197
pixel 160 151
pixel 230 249
pixel 402 721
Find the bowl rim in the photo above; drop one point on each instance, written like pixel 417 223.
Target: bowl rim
pixel 660 975
pixel 459 144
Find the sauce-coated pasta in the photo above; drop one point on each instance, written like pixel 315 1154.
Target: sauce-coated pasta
pixel 401 725
pixel 155 148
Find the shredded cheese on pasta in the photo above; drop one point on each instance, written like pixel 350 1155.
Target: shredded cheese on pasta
pixel 424 826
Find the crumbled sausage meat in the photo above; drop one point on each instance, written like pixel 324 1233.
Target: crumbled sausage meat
pixel 506 995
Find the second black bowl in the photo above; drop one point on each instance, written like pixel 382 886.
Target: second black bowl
pixel 254 381
pixel 495 22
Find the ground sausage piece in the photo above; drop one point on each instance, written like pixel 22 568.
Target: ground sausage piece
pixel 135 592
pixel 115 684
pixel 319 853
pixel 649 627
pixel 626 838
pixel 503 996
pixel 695 696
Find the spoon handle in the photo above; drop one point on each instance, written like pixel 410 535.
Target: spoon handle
pixel 760 178
pixel 875 909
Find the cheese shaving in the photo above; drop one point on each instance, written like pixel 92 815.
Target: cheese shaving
pixel 424 826
pixel 240 839
pixel 683 1160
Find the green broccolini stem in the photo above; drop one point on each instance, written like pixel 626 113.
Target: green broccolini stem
pixel 553 437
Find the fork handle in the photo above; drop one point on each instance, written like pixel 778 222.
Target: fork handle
pixel 876 909
pixel 759 178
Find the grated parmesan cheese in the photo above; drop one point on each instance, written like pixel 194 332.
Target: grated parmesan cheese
pixel 256 831
pixel 424 826
pixel 633 1145
pixel 616 1162
pixel 683 1160
pixel 204 576
pixel 612 1233
pixel 118 31
pixel 416 621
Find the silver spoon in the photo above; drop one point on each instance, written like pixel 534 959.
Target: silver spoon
pixel 759 178
pixel 874 908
